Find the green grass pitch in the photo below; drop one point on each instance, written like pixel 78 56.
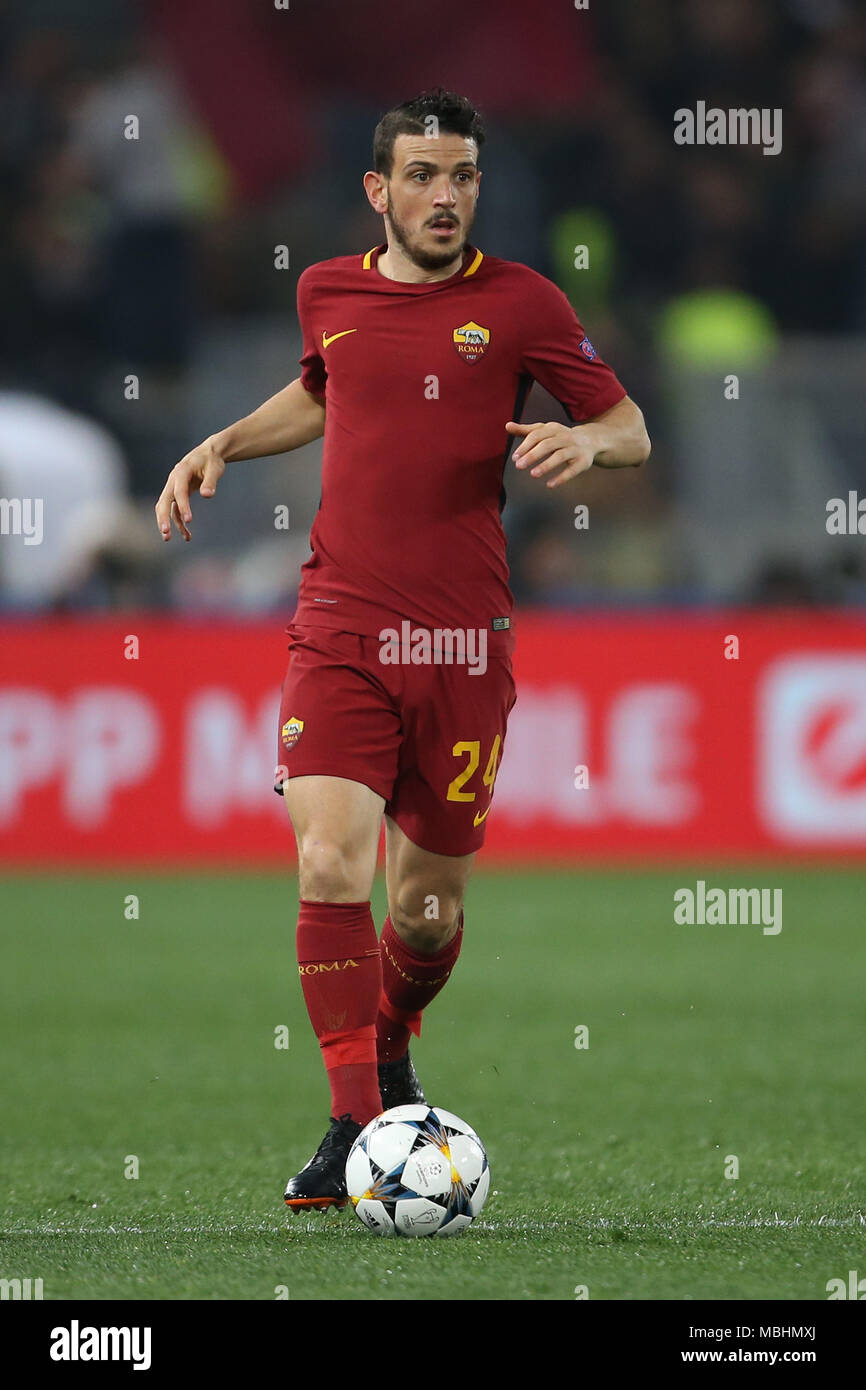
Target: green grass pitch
pixel 154 1038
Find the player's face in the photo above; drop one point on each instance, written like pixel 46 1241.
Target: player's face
pixel 431 197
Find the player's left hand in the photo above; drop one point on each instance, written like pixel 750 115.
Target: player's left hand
pixel 545 448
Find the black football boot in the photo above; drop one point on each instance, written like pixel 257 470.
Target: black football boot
pixel 321 1183
pixel 398 1083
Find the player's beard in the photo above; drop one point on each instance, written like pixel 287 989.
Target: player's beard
pixel 425 260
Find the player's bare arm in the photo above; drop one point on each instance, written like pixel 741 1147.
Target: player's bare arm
pixel 288 420
pixel 615 439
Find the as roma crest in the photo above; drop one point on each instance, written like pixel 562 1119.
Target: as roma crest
pixel 291 731
pixel 471 341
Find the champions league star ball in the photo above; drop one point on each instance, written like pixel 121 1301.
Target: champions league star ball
pixel 414 1171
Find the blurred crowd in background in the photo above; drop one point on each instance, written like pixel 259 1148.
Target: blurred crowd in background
pixel 143 307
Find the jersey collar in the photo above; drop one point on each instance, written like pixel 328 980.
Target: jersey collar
pixel 472 261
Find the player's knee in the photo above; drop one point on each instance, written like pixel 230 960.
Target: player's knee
pixel 330 872
pixel 426 923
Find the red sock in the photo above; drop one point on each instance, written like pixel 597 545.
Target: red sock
pixel 409 982
pixel 341 976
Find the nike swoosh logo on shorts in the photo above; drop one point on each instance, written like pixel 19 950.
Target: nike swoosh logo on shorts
pixel 326 341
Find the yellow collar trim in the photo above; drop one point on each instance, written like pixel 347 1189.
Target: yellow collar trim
pixel 470 270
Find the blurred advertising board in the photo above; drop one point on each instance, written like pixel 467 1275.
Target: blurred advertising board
pixel 635 737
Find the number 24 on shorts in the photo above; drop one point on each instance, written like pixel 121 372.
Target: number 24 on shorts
pixel 471 748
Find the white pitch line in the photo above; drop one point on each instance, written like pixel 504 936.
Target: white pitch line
pixel 707 1223
pixel 507 1224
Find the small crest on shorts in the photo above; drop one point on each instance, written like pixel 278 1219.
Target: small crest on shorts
pixel 471 340
pixel 291 731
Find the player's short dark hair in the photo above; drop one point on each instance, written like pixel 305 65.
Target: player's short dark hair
pixel 455 114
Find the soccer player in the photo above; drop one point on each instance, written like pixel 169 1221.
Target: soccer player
pixel 418 355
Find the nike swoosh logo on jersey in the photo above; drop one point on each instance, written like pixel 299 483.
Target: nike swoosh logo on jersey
pixel 326 341
pixel 478 819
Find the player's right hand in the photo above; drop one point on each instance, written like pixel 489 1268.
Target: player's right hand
pixel 199 471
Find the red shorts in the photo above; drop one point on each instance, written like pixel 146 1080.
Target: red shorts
pixel 426 738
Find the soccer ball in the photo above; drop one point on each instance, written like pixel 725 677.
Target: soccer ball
pixel 416 1171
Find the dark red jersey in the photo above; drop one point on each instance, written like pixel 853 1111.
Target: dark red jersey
pixel 419 381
